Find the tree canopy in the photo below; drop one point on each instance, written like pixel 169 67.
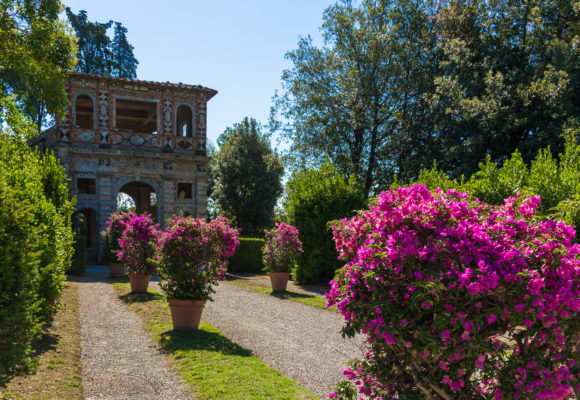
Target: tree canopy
pixel 36 51
pixel 401 83
pixel 245 175
pixel 97 53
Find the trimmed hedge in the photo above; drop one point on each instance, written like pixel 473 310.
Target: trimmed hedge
pixel 248 256
pixel 35 249
pixel 316 197
pixel 79 260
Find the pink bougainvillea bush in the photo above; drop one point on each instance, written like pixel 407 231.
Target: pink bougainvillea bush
pixel 458 299
pixel 113 232
pixel 282 248
pixel 137 244
pixel 193 255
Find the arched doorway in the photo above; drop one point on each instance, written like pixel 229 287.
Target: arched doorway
pixel 139 197
pixel 87 224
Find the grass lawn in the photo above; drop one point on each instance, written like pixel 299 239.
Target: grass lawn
pixel 212 366
pixel 59 352
pixel 309 299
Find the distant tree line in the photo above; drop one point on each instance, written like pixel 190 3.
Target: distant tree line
pixel 400 83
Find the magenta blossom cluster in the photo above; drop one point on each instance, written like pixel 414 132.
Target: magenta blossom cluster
pixel 282 248
pixel 137 244
pixel 113 232
pixel 193 255
pixel 459 299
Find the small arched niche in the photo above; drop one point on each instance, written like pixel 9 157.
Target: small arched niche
pixel 184 121
pixel 84 112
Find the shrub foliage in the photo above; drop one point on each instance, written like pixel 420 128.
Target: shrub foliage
pixel 36 245
pixel 248 256
pixel 316 197
pixel 459 299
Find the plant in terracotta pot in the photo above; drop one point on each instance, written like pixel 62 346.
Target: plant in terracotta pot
pixel 111 236
pixel 280 252
pixel 137 246
pixel 192 256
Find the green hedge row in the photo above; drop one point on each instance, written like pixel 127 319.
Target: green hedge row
pixel 316 197
pixel 248 256
pixel 35 248
pixel 79 259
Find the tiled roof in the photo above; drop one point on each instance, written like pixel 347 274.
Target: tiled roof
pixel 142 82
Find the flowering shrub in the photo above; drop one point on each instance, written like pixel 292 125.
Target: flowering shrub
pixel 458 299
pixel 282 248
pixel 137 244
pixel 113 232
pixel 193 255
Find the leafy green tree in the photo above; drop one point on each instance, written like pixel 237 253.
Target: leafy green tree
pixel 510 80
pixel 245 175
pixel 359 99
pixel 314 198
pixel 97 53
pixel 36 52
pixel 94 52
pixel 123 62
pixel 399 84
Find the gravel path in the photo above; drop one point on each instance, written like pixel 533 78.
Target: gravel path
pixel 120 361
pixel 265 280
pixel 300 341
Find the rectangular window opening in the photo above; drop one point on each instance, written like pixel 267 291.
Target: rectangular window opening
pixel 136 116
pixel 86 186
pixel 184 191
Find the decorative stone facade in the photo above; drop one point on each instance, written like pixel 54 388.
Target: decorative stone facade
pixel 136 137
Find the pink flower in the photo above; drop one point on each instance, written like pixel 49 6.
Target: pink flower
pixel 491 318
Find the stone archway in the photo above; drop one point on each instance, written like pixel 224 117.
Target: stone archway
pixel 144 197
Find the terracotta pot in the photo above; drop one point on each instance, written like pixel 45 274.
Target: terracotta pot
pixel 279 281
pixel 115 269
pixel 186 314
pixel 139 282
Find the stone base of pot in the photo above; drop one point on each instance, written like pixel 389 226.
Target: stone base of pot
pixel 279 281
pixel 115 269
pixel 139 282
pixel 186 314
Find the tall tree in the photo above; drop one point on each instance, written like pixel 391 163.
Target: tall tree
pixel 400 83
pixel 510 80
pixel 246 176
pixel 94 52
pixel 36 51
pixel 359 99
pixel 97 53
pixel 123 62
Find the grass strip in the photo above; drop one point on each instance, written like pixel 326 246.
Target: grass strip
pixel 308 299
pixel 212 366
pixel 58 353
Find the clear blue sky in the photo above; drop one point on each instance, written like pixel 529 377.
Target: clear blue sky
pixel 235 47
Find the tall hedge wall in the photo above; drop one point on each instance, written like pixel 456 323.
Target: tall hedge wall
pixel 316 197
pixel 248 256
pixel 35 248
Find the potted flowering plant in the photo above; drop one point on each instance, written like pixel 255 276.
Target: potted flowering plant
pixel 137 247
pixel 111 236
pixel 192 256
pixel 280 252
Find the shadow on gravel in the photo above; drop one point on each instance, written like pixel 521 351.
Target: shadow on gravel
pixel 136 297
pixel 141 297
pixel 173 341
pixel 286 295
